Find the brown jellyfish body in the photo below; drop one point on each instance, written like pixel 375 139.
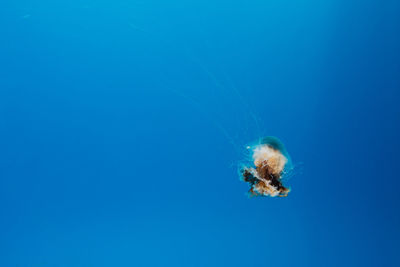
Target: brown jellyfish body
pixel 270 161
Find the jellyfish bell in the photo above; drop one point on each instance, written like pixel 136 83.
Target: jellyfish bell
pixel 270 162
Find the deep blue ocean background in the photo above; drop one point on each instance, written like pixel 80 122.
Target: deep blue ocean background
pixel 122 124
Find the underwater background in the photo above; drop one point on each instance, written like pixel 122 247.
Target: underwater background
pixel 122 124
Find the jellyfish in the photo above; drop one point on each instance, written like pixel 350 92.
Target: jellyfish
pixel 271 163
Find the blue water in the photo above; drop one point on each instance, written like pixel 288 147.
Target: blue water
pixel 122 124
